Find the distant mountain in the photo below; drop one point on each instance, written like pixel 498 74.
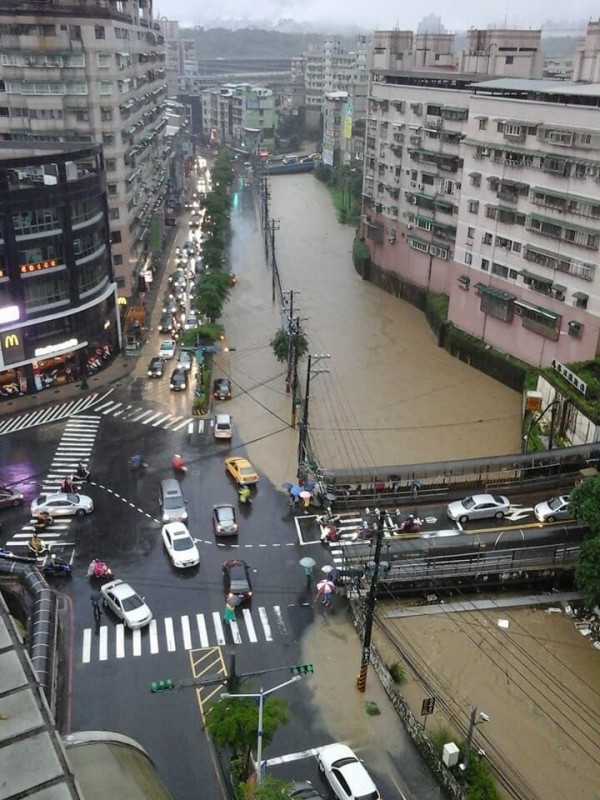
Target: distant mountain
pixel 256 42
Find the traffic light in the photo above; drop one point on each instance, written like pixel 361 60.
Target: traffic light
pixel 302 669
pixel 162 686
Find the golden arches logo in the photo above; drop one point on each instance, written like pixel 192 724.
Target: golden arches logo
pixel 11 340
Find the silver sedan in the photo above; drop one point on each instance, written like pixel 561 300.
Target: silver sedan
pixel 62 505
pixel 553 509
pixel 479 506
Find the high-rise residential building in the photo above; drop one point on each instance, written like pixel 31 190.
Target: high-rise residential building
pixel 181 60
pixel 94 72
pixel 484 186
pixel 241 115
pixel 59 316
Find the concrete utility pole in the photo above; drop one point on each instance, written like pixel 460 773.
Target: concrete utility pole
pixel 361 680
pixel 290 322
pixel 474 720
pixel 273 226
pixel 303 431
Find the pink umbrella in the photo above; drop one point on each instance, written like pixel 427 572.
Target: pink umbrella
pixel 325 587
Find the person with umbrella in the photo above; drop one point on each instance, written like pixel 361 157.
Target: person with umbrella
pixel 230 605
pixel 325 588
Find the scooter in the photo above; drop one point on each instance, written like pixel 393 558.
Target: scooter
pixel 42 551
pixel 410 525
pixel 83 474
pixel 40 525
pixel 55 567
pixel 328 518
pixel 136 462
pixel 244 496
pixel 330 534
pixel 99 569
pixel 178 464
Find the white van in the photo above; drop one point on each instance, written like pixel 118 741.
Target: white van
pixel 222 429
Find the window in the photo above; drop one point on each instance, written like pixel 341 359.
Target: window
pixel 103 60
pixel 510 60
pixel 111 189
pixel 100 32
pixel 483 124
pixel 581 299
pixel 118 261
pixel 470 233
pixel 114 213
pixel 468 258
pixel 115 237
pixel 486 238
pixel 475 178
pixel 485 264
pixel 74 31
pixel 516 246
pixel 106 114
pixel 473 206
pixel 43 289
pixel 105 87
pixel 110 164
pixel 108 139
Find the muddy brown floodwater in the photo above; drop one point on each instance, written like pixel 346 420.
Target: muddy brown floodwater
pixel 391 396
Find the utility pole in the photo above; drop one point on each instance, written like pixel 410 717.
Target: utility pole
pixel 474 720
pixel 303 431
pixel 273 226
pixel 290 321
pixel 361 680
pixel 295 400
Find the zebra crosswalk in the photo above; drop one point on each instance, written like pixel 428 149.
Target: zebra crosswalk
pixel 42 416
pixel 186 632
pixel 145 416
pixel 75 446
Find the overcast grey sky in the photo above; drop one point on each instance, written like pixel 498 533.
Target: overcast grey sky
pixel 383 14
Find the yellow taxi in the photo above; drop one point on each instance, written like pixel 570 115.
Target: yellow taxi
pixel 241 470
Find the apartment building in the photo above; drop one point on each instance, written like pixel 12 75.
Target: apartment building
pixel 58 299
pixel 486 190
pixel 241 115
pixel 93 72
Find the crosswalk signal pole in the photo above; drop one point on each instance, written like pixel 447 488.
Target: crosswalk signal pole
pixel 361 680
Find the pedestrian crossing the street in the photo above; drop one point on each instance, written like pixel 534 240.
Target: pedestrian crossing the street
pixel 145 416
pixel 55 413
pixel 186 632
pixel 75 446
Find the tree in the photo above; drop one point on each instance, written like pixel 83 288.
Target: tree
pixel 585 503
pixel 281 345
pixel 233 723
pixel 587 571
pixel 270 789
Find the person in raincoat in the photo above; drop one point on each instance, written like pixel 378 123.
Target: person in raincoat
pixel 229 613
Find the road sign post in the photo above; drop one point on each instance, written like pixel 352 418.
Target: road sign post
pixel 427 708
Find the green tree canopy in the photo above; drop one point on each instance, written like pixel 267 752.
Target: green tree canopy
pixel 587 572
pixel 585 503
pixel 270 789
pixel 281 345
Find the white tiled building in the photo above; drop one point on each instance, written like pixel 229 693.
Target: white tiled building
pixel 93 72
pixel 488 191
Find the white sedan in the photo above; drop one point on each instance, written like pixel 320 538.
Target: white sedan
pixel 346 774
pixel 185 361
pixel 62 505
pixel 126 604
pixel 479 506
pixel 180 546
pixel 167 349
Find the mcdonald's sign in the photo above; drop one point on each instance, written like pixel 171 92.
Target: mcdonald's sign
pixel 12 347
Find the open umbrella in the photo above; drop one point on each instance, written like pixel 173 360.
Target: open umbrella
pixel 305 495
pixel 287 486
pixel 233 600
pixel 295 491
pixel 326 569
pixel 307 561
pixel 325 587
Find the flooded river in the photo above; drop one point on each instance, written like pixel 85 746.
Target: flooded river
pixel 390 395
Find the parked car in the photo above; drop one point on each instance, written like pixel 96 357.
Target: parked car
pixel 241 470
pixel 180 546
pixel 178 382
pixel 166 324
pixel 62 505
pixel 553 509
pixel 479 506
pixel 167 349
pixel 10 497
pixel 346 774
pixel 185 360
pixel 156 367
pixel 236 579
pixel 224 521
pixel 126 603
pixel 222 389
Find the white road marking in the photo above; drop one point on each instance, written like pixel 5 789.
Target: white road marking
pixel 180 426
pixel 250 625
pixel 187 633
pixel 148 420
pixel 279 618
pixel 103 644
pixel 138 417
pixel 153 635
pixel 235 631
pixel 264 621
pixel 291 757
pixel 86 650
pixel 158 422
pixel 120 646
pixel 202 630
pixel 136 641
pixel 218 628
pixel 200 426
pixel 170 634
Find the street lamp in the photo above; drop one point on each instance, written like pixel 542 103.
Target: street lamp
pixel 261 703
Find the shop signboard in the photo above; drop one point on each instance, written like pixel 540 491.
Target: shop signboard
pixel 11 344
